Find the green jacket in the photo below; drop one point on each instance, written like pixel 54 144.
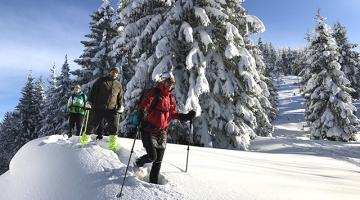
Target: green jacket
pixel 76 103
pixel 106 94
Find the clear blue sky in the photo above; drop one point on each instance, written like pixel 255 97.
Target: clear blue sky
pixel 34 34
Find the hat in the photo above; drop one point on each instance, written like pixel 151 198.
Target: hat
pixel 167 76
pixel 115 69
pixel 77 86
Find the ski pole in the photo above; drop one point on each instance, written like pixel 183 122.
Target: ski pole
pixel 188 148
pixel 132 150
pixel 84 124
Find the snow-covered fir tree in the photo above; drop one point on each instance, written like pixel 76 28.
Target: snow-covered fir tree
pixel 157 47
pixel 28 111
pixel 270 56
pixel 50 110
pixel 10 138
pixel 39 101
pixel 329 108
pixel 187 42
pixel 96 59
pixel 61 96
pixel 349 58
pixel 268 102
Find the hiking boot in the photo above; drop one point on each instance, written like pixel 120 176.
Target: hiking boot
pixel 113 143
pixel 99 137
pixel 85 138
pixel 69 135
pixel 137 163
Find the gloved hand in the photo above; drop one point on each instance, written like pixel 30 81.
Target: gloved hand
pixel 188 116
pixel 120 110
pixel 87 106
pixel 134 119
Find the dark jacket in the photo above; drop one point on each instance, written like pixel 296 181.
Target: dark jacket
pixel 106 94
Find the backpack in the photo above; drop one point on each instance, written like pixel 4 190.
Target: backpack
pixel 82 96
pixel 134 117
pixel 74 107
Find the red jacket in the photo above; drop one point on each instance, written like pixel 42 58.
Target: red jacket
pixel 164 111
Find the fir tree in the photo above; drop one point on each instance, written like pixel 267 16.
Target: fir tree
pixel 61 96
pixel 39 100
pixel 50 109
pixel 11 138
pixel 329 111
pixel 349 59
pixel 27 110
pixel 96 59
pixel 187 42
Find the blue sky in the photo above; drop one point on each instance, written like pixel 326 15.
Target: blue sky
pixel 35 34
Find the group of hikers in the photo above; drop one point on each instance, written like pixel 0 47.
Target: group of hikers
pixel 104 102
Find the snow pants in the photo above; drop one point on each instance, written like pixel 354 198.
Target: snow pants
pixel 75 120
pixel 110 117
pixel 155 149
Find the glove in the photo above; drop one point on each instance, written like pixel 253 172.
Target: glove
pixel 120 110
pixel 188 116
pixel 134 119
pixel 87 106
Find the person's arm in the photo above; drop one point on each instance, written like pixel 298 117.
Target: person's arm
pixel 119 101
pixel 145 104
pixel 94 91
pixel 173 113
pixel 69 103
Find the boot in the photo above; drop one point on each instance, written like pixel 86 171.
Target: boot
pixel 85 138
pixel 113 143
pixel 99 137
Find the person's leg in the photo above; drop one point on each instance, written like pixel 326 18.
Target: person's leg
pixel 155 169
pixel 78 123
pixel 94 120
pixel 151 154
pixel 112 120
pixel 71 123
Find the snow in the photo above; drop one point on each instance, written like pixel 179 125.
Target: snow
pixel 286 166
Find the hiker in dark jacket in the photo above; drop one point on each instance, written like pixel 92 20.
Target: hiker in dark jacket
pixel 76 109
pixel 105 99
pixel 155 122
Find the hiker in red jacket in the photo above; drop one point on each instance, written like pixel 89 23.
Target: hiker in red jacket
pixel 155 122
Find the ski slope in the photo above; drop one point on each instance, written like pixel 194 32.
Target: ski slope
pixel 283 167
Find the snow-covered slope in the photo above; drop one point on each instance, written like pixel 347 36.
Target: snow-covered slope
pixel 291 134
pixel 286 166
pixel 56 168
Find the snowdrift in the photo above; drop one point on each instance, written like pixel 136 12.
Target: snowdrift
pixel 56 168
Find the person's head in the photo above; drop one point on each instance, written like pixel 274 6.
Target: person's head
pixel 114 73
pixel 168 79
pixel 77 88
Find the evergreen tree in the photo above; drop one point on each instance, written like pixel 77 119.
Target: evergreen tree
pixel 27 110
pixel 329 111
pixel 268 102
pixel 157 32
pixel 10 138
pixel 349 59
pixel 39 100
pixel 61 96
pixel 50 110
pixel 96 59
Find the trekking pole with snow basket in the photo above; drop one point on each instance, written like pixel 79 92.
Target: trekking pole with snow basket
pixel 188 149
pixel 127 167
pixel 84 124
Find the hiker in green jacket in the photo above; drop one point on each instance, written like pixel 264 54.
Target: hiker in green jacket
pixel 105 99
pixel 76 109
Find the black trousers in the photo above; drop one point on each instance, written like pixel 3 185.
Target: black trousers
pixel 109 116
pixel 75 120
pixel 155 149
